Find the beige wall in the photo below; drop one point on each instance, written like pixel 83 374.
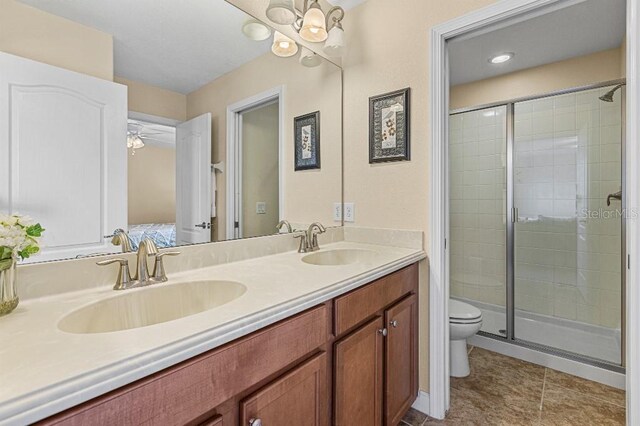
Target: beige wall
pixel 388 50
pixel 260 170
pixel 155 100
pixel 308 195
pixel 37 35
pixel 152 185
pixel 580 71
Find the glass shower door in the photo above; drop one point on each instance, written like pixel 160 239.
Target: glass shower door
pixel 567 240
pixel 477 167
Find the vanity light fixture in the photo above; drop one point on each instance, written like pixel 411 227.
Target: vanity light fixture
pixel 314 26
pixel 335 44
pixel 283 46
pixel 311 23
pixel 501 58
pixel 309 59
pixel 256 30
pixel 281 12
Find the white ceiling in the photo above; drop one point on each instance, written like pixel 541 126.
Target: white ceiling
pixel 346 4
pixel 177 45
pixel 587 27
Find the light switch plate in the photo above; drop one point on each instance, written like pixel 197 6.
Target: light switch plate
pixel 261 207
pixel 337 212
pixel 349 212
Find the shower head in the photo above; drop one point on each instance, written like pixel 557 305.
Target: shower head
pixel 608 97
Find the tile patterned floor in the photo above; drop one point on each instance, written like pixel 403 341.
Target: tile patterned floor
pixel 506 391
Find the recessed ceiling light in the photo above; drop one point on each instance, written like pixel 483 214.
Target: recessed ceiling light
pixel 503 57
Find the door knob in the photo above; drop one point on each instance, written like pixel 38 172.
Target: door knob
pixel 204 225
pixel 383 331
pixel 393 323
pixel 255 422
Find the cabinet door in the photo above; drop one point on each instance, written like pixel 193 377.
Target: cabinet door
pixel 401 359
pixel 358 380
pixel 299 398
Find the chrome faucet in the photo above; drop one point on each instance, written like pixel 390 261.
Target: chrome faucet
pixel 309 239
pixel 286 224
pixel 142 277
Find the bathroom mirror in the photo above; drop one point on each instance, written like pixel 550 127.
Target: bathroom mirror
pixel 536 179
pixel 170 120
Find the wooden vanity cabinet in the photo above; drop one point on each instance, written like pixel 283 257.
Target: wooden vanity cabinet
pixel 207 388
pixel 350 361
pixel 376 365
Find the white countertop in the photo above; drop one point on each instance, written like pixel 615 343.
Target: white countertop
pixel 44 370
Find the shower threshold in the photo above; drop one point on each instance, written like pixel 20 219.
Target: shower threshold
pixel 574 340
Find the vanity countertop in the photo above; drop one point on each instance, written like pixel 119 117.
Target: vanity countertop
pixel 44 370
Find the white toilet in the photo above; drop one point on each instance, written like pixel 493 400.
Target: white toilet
pixel 464 321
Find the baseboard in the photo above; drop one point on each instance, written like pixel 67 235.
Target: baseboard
pixel 422 403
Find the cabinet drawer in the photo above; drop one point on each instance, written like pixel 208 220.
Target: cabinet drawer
pixel 195 387
pixel 299 398
pixel 353 308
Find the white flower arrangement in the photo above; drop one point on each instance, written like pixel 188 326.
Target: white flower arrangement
pixel 19 238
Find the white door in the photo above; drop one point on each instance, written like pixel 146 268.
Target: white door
pixel 63 155
pixel 193 181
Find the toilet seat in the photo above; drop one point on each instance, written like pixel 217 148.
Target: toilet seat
pixel 463 313
pixel 475 321
pixel 465 320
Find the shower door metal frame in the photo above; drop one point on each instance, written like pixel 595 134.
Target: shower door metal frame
pixel 512 217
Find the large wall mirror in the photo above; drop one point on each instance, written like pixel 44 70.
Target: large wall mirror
pixel 170 120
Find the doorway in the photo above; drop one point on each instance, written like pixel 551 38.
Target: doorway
pixel 466 26
pixel 169 180
pixel 553 206
pixel 254 155
pixel 259 163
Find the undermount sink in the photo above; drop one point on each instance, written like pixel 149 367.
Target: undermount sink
pixel 152 305
pixel 340 257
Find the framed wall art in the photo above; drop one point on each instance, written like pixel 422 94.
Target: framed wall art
pixel 389 127
pixel 307 141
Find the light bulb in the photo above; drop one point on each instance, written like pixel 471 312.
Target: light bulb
pixel 283 46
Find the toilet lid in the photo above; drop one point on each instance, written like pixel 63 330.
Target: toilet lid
pixel 463 311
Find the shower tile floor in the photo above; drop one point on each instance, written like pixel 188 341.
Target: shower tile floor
pixel 506 391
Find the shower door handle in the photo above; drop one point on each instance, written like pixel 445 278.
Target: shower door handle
pixel 616 195
pixel 514 214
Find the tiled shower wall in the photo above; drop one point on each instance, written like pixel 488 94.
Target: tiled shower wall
pixel 477 153
pixel 567 160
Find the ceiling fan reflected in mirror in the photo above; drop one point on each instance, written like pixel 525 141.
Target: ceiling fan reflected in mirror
pixel 137 134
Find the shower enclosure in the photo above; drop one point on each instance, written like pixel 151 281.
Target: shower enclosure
pixel 537 221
